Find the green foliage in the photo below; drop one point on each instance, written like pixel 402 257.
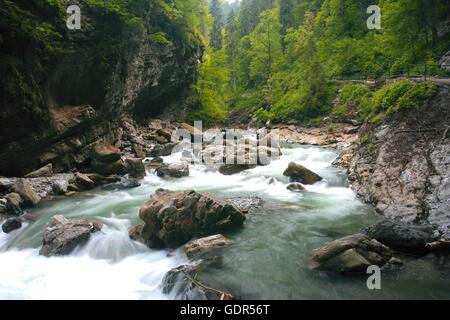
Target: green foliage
pixel 378 118
pixel 272 58
pixel 352 98
pixel 365 139
pixel 34 40
pixel 372 147
pixel 303 86
pixel 250 100
pixel 397 96
pixel 32 36
pixel 211 88
pixel 407 44
pixel 216 32
pixel 249 14
pixel 160 38
pixel 416 95
pixel 401 95
pixel 386 98
pixel 264 114
pixel 266 48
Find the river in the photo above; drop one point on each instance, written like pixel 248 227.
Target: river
pixel 266 261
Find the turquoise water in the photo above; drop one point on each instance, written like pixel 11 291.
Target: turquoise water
pixel 266 261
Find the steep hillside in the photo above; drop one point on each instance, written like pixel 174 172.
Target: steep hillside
pixel 63 90
pixel 402 163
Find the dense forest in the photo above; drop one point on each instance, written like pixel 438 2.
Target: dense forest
pixel 267 59
pixel 274 59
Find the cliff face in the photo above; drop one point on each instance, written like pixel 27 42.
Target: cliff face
pixel 66 90
pixel 403 164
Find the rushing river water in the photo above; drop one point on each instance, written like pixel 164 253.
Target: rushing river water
pixel 267 260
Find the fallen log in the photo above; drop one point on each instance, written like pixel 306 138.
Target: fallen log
pixel 221 295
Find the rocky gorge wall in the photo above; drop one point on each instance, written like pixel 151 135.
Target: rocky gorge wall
pixel 402 164
pixel 111 67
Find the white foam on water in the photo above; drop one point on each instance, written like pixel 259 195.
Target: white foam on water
pixel 26 275
pixel 258 180
pixel 110 265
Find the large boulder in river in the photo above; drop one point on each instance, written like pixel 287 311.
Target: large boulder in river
pixel 105 153
pixel 106 160
pixel 198 247
pixel 176 170
pixel 153 163
pixel 403 237
pixel 163 150
pixel 172 218
pixel 135 167
pixel 352 254
pixel 123 184
pixel 11 224
pixel 59 187
pixel 13 204
pixel 26 191
pixel 230 169
pixel 298 173
pixel 62 235
pixel 83 181
pixel 108 168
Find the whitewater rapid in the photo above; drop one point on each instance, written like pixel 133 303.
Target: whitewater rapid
pixel 111 266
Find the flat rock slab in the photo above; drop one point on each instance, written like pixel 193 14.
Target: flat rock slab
pixel 27 192
pixel 231 169
pixel 245 204
pixel 403 237
pixel 177 170
pixel 46 171
pixel 352 254
pixel 198 247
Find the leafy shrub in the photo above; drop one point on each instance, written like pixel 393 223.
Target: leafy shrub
pixel 371 147
pixel 365 139
pixel 399 95
pixel 211 110
pixel 386 98
pixel 352 98
pixel 379 117
pixel 416 95
pixel 160 38
pixel 264 114
pixel 250 101
pixel 305 103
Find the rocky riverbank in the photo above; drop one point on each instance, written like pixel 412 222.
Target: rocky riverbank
pixel 402 164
